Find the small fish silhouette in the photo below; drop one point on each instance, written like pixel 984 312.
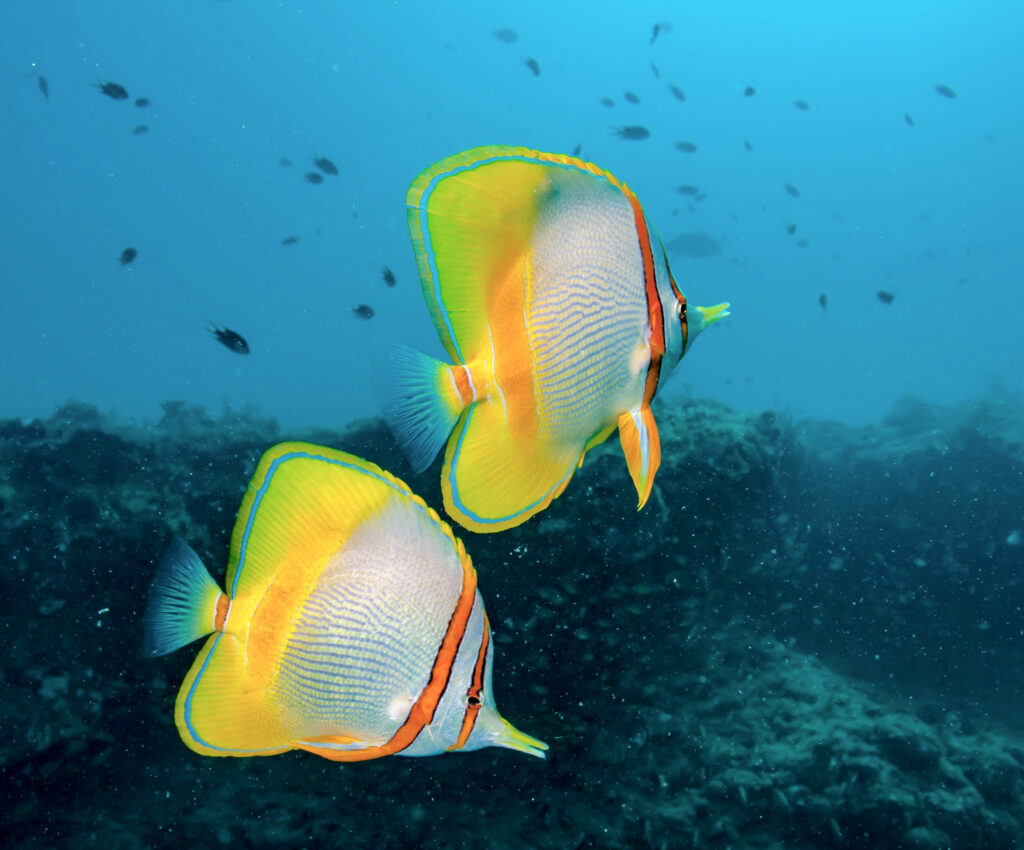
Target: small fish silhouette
pixel 388 276
pixel 634 132
pixel 314 177
pixel 533 65
pixel 289 240
pixel 325 165
pixel 229 339
pixel 113 90
pixel 363 311
pixel 749 91
pixel 823 301
pixel 677 92
pixel 127 256
pixel 945 91
pixel 44 86
pixel 885 297
pixel 142 102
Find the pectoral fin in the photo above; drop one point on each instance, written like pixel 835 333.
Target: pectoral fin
pixel 641 445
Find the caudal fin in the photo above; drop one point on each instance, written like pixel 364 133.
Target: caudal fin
pixel 183 601
pixel 420 400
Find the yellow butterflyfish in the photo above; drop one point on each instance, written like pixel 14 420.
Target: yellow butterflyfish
pixel 556 304
pixel 351 625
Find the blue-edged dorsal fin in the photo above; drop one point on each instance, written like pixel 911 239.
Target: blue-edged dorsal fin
pixel 471 218
pixel 301 502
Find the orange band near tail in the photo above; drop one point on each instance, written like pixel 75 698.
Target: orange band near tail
pixel 464 385
pixel 220 617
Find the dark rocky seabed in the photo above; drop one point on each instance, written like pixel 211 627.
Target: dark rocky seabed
pixel 810 637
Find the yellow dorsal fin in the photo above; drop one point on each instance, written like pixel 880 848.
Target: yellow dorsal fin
pixel 472 218
pixel 302 501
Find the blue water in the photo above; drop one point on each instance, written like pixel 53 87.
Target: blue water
pixel 931 212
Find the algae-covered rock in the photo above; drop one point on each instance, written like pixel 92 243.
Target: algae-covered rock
pixel 810 637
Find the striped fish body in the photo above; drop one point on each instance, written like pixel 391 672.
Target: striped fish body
pixel 351 626
pixel 561 316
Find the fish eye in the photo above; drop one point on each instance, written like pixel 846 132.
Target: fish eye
pixel 472 700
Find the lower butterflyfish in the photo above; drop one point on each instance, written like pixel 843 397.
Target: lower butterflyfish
pixel 554 300
pixel 351 625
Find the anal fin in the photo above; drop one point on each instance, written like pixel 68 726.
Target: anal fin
pixel 641 445
pixel 495 477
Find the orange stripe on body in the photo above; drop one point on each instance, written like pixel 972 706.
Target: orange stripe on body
pixel 508 354
pixel 422 712
pixel 473 698
pixel 654 313
pixel 684 324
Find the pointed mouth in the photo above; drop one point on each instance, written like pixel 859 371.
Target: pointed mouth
pixel 713 314
pixel 515 740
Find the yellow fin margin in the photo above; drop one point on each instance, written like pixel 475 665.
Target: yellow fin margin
pixel 216 715
pixel 492 480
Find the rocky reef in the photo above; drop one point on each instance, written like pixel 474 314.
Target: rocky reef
pixel 810 637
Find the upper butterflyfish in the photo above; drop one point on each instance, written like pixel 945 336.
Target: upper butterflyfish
pixel 554 299
pixel 351 626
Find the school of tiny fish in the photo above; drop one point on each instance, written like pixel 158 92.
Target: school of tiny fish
pixel 509 36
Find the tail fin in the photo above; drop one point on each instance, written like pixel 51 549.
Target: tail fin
pixel 184 602
pixel 420 400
